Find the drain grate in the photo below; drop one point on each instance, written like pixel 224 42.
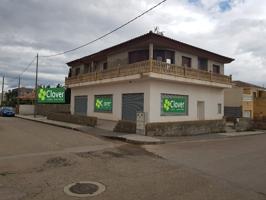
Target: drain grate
pixel 84 189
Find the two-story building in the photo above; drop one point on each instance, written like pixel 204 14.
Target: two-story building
pixel 167 79
pixel 244 100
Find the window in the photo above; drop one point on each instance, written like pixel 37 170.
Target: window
pixel 216 69
pixel 186 61
pixel 219 108
pixel 164 56
pixel 77 72
pixel 105 66
pixel 137 56
pixel 159 58
pixel 203 64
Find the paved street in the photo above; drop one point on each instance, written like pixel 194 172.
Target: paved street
pixel 38 160
pixel 240 160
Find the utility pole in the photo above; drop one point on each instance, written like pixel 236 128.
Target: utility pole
pixel 36 87
pixel 18 94
pixel 2 95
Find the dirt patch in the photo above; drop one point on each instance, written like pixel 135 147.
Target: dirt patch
pixel 124 151
pixel 55 162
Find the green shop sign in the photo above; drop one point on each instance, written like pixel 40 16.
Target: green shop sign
pixel 51 95
pixel 174 104
pixel 103 103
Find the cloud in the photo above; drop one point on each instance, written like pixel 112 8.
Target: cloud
pixel 234 28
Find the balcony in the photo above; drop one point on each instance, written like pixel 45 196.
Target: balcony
pixel 145 67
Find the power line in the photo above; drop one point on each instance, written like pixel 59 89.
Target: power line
pixel 106 34
pixel 28 66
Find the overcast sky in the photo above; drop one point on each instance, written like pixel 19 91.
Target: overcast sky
pixel 234 28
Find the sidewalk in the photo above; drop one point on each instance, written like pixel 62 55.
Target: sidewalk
pixel 104 131
pixel 209 137
pixel 130 138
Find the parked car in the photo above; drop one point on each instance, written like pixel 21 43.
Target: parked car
pixel 7 112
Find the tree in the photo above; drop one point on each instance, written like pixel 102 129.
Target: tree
pixel 11 98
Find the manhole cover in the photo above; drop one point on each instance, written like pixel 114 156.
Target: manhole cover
pixel 84 189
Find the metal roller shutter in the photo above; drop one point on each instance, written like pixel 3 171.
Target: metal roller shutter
pixel 131 104
pixel 81 105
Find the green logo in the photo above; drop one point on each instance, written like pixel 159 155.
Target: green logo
pixel 166 104
pixel 42 94
pixel 98 103
pixel 51 95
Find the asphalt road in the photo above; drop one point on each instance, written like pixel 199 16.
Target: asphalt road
pixel 38 160
pixel 239 160
pixel 20 137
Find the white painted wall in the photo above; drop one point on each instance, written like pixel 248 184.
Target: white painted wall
pixel 26 109
pixel 152 90
pixel 210 95
pixel 117 90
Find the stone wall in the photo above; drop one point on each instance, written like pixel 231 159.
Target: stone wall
pixel 46 109
pixel 186 128
pixel 75 119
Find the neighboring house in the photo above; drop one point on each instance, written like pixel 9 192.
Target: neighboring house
pixel 25 95
pixel 23 91
pixel 167 79
pixel 244 100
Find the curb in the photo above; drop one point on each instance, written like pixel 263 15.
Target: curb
pixel 120 138
pixel 58 125
pixel 137 142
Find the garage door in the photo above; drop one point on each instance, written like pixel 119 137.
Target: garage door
pixel 131 104
pixel 81 105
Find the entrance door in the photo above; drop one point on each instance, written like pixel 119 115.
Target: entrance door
pixel 201 110
pixel 131 104
pixel 80 105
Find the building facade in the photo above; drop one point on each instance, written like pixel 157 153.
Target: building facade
pixel 244 100
pixel 167 79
